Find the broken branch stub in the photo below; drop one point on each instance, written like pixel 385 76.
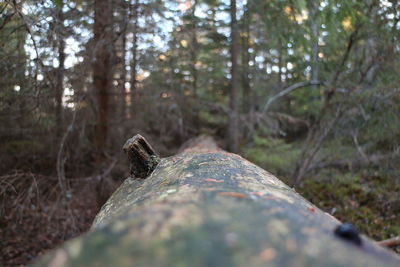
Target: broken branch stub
pixel 142 157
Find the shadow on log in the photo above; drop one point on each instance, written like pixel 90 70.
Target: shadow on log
pixel 213 208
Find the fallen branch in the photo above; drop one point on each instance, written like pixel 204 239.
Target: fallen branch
pixel 354 162
pixel 391 242
pixel 61 160
pixel 286 91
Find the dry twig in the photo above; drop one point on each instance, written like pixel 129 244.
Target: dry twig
pixel 391 242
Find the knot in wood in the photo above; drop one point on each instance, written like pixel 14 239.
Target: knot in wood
pixel 142 157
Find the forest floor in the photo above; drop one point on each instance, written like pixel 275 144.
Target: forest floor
pixel 34 220
pixel 368 200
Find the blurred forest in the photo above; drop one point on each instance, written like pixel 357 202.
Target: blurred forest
pixel 307 89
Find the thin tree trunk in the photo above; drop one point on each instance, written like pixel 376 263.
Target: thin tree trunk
pixel 59 86
pixel 233 135
pixel 102 70
pixel 246 99
pixel 313 9
pixel 280 65
pixel 194 48
pixel 123 23
pixel 313 143
pixel 22 103
pixel 134 16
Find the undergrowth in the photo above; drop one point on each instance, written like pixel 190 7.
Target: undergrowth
pixel 367 197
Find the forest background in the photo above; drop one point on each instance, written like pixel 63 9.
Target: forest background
pixel 307 89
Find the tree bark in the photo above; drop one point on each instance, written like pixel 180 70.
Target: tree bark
pixel 246 90
pixel 134 16
pixel 59 86
pixel 194 48
pixel 280 64
pixel 312 6
pixel 102 70
pixel 123 7
pixel 233 134
pixel 207 207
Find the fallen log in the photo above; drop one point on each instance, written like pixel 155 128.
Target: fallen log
pixel 355 162
pixel 213 208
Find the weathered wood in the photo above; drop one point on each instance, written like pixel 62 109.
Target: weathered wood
pixel 215 209
pixel 391 242
pixel 142 157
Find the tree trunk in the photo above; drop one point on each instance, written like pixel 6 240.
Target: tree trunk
pixel 280 65
pixel 313 9
pixel 233 131
pixel 207 207
pixel 134 15
pixel 123 7
pixel 246 90
pixel 102 70
pixel 59 86
pixel 194 48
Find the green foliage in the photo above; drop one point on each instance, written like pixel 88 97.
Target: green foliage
pixel 58 3
pixel 273 155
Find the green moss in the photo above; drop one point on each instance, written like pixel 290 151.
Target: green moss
pixel 366 200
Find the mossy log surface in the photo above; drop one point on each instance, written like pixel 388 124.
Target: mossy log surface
pixel 213 208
